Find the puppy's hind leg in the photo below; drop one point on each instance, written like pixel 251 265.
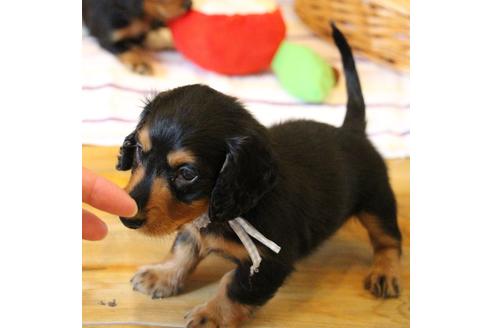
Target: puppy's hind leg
pixel 380 220
pixel 167 278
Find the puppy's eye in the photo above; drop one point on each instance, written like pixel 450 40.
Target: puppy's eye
pixel 186 175
pixel 138 153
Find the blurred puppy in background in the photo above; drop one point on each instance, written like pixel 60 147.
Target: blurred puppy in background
pixel 132 29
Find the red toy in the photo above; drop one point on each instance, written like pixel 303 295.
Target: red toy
pixel 232 44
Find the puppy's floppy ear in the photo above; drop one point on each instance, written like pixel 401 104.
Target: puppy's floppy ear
pixel 127 151
pixel 249 171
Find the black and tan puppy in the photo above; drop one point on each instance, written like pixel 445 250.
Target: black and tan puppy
pixel 131 29
pixel 197 151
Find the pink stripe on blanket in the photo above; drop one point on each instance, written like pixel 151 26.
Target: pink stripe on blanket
pixel 253 101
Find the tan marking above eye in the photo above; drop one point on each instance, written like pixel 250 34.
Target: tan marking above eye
pixel 144 139
pixel 179 157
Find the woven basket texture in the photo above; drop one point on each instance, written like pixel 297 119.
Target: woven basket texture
pixel 377 29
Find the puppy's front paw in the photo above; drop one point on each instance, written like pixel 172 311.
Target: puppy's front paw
pixel 201 317
pixel 218 314
pixel 157 281
pixel 139 62
pixel 383 283
pixel 142 68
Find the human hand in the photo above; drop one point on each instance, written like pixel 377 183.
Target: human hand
pixel 104 195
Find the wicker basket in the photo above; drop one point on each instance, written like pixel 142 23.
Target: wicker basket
pixel 378 29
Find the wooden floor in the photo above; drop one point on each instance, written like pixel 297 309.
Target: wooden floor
pixel 325 291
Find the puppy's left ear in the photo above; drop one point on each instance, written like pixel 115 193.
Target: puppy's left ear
pixel 249 171
pixel 127 151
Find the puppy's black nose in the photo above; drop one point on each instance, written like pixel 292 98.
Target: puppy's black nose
pixel 187 4
pixel 133 223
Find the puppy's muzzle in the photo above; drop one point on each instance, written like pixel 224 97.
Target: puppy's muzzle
pixel 132 223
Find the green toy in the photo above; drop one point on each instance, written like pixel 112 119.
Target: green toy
pixel 303 73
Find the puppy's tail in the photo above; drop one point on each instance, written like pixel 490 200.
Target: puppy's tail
pixel 355 118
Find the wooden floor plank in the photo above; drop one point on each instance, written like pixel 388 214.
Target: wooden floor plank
pixel 325 291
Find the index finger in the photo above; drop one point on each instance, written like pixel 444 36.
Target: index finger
pixel 106 196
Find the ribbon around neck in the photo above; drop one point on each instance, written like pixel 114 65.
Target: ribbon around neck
pixel 244 230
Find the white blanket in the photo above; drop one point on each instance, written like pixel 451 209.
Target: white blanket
pixel 113 96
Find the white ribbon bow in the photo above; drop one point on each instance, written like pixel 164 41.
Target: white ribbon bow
pixel 244 230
